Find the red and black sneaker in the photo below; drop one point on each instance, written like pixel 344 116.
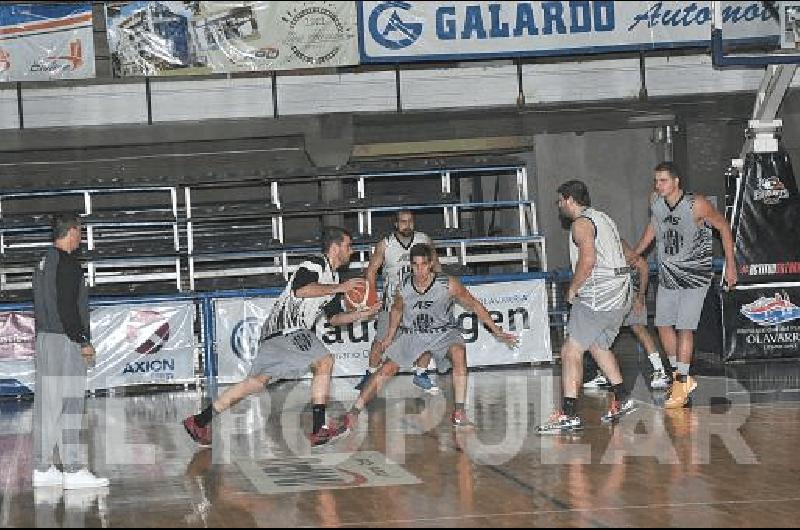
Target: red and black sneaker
pixel 459 419
pixel 201 435
pixel 327 434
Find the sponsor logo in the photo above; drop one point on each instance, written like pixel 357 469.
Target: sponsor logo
pixel 139 331
pixel 390 29
pixel 695 15
pixel 245 338
pixel 325 472
pixel 317 35
pixel 770 190
pixel 62 63
pixel 772 311
pixel 770 269
pixel 150 367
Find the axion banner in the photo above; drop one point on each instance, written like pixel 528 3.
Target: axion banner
pixel 519 307
pixel 43 42
pixel 407 31
pixel 143 345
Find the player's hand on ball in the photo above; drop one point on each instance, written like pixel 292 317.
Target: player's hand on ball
pixel 371 312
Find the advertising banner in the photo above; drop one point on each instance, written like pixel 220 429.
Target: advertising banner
pixel 136 345
pixel 184 38
pixel 43 42
pixel 17 351
pixel 408 31
pixel 767 220
pixel 762 323
pixel 519 307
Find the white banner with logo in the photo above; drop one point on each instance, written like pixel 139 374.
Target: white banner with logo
pixel 17 351
pixel 399 31
pixel 519 307
pixel 43 42
pixel 183 38
pixel 152 344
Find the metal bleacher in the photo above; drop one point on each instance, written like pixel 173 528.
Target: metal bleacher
pixel 210 234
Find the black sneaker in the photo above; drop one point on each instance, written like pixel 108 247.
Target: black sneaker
pixel 560 423
pixel 618 409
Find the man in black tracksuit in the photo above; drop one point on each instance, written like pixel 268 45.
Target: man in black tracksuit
pixel 63 352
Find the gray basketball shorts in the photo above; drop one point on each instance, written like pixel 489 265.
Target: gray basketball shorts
pixel 680 308
pixel 288 356
pixel 408 347
pixel 590 328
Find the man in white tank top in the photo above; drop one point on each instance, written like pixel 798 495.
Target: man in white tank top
pixel 392 255
pixel 600 295
pixel 681 226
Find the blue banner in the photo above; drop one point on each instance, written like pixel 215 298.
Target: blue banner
pixel 408 31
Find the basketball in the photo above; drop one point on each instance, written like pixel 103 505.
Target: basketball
pixel 361 298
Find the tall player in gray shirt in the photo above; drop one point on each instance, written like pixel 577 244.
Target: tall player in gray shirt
pixel 681 227
pixel 421 321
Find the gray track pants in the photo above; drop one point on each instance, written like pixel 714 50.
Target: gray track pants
pixel 59 403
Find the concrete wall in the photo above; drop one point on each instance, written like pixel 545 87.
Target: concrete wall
pixel 615 165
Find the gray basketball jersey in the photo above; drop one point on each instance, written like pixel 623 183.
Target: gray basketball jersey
pixel 430 311
pixel 397 263
pixel 685 252
pixel 291 313
pixel 609 285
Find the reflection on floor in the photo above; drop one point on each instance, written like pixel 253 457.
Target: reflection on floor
pixel 727 461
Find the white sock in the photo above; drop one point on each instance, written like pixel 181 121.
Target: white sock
pixel 655 360
pixel 371 370
pixel 419 371
pixel 673 362
pixel 683 368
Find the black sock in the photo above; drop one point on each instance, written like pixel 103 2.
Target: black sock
pixel 460 407
pixel 620 394
pixel 319 417
pixel 205 417
pixel 570 406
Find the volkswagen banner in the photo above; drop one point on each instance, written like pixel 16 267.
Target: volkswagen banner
pixel 519 307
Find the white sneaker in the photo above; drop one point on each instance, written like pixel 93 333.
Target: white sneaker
pixel 83 479
pixel 84 499
pixel 660 381
pixel 51 477
pixel 598 382
pixel 48 495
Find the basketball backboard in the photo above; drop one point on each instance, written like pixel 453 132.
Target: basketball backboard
pixel 778 44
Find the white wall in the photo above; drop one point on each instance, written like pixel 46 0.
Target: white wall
pixel 463 86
